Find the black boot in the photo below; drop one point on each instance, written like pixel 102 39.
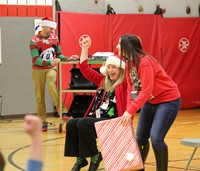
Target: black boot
pixel 94 165
pixel 78 166
pixel 144 151
pixel 161 156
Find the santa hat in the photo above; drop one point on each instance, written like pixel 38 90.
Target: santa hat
pixel 112 60
pixel 48 22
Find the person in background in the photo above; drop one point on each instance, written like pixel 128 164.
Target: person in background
pixel 158 98
pixel 108 102
pixel 46 54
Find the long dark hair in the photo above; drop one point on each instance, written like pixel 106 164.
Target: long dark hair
pixel 131 48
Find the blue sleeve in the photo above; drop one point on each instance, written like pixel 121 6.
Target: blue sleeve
pixel 34 165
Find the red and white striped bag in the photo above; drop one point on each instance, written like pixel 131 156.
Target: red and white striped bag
pixel 118 145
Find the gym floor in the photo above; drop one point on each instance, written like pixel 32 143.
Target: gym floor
pixel 15 144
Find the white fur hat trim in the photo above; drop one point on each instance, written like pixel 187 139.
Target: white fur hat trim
pixel 112 60
pixel 49 23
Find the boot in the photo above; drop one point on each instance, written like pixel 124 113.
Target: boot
pixel 94 165
pixel 144 150
pixel 161 156
pixel 78 166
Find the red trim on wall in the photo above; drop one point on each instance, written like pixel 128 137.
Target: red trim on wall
pixel 12 10
pixel 41 10
pixel 31 11
pixel 4 10
pixel 49 11
pixel 26 10
pixel 22 10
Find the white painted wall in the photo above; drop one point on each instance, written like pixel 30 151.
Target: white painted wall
pixel 174 8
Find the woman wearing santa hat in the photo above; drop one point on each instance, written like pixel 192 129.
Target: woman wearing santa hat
pixel 108 102
pixel 46 54
pixel 158 98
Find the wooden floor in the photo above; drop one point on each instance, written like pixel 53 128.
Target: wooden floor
pixel 14 144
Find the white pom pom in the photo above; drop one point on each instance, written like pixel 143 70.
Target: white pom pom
pixel 103 70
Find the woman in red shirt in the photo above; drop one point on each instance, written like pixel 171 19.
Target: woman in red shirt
pixel 158 98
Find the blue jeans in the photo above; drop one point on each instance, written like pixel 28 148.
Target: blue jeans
pixel 155 121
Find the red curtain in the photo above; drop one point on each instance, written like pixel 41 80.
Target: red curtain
pixel 74 25
pixel 161 37
pixel 181 56
pixel 145 26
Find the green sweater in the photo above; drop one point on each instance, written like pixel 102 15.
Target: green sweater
pixel 44 50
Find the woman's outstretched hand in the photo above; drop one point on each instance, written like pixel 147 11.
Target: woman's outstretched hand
pixel 85 41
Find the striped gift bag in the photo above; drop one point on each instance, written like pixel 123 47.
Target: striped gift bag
pixel 118 146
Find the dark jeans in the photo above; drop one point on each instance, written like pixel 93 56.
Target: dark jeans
pixel 81 137
pixel 155 121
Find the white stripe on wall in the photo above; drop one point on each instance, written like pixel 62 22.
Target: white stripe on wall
pixel 26 2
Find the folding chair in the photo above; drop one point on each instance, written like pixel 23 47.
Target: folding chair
pixel 193 142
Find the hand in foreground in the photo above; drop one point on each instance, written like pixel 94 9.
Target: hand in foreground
pixel 126 118
pixel 32 125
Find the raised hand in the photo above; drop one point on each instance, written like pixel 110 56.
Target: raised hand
pixel 85 41
pixel 32 125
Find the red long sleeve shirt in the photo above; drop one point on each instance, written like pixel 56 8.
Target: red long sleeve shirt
pixel 157 86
